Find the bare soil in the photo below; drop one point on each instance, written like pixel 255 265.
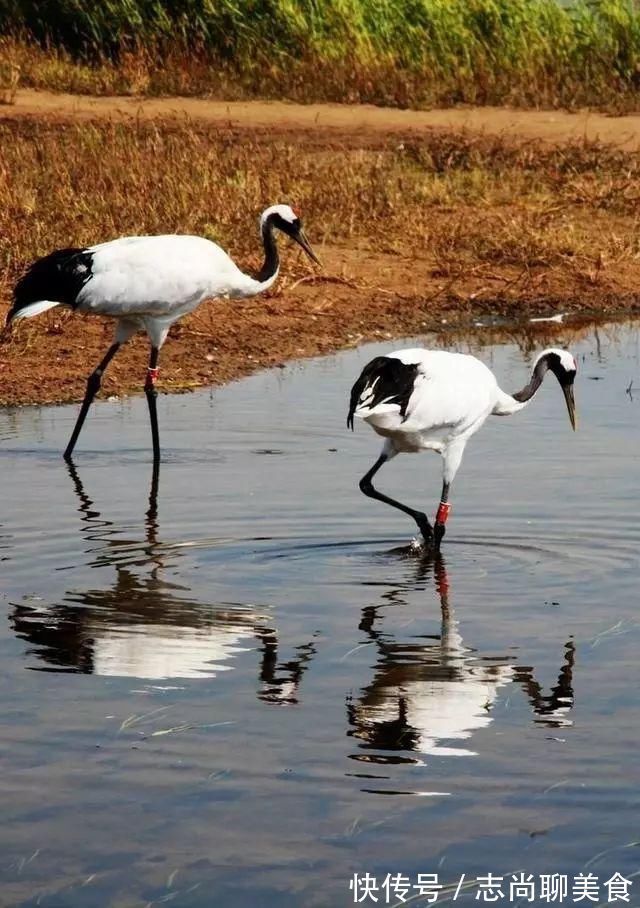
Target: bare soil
pixel 336 120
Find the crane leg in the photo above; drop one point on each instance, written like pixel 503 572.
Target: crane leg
pixel 441 517
pixel 366 486
pixel 152 395
pixel 93 386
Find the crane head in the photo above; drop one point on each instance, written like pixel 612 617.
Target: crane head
pixel 284 218
pixel 563 365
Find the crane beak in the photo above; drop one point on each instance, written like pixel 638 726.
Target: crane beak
pixel 567 390
pixel 301 238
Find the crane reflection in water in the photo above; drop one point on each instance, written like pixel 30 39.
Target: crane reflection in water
pixel 430 694
pixel 145 626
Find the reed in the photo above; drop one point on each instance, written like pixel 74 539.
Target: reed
pixel 398 52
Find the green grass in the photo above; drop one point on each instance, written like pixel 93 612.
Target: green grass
pixel 399 52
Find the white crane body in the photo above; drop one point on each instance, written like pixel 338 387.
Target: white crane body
pixel 435 400
pixel 451 396
pixel 147 283
pixel 161 276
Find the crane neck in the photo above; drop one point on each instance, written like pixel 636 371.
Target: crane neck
pixel 511 403
pixel 271 265
pixel 525 395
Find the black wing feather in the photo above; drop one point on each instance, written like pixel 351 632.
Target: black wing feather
pixel 395 384
pixel 58 277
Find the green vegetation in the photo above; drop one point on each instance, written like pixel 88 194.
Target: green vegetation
pixel 399 52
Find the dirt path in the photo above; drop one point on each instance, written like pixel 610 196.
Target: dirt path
pixel 552 126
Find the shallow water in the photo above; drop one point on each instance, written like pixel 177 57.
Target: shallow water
pixel 258 693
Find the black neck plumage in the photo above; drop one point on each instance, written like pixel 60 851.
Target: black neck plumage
pixel 532 386
pixel 271 257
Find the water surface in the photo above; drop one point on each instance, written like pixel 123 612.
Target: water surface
pixel 256 693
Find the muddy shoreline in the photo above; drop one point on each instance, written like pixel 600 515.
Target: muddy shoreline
pixel 46 361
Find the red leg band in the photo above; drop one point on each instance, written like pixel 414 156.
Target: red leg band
pixel 152 375
pixel 443 512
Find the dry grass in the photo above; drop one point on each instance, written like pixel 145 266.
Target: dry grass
pixel 451 226
pixel 9 81
pixel 456 198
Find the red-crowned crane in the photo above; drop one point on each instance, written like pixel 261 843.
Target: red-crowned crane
pixel 147 283
pixel 431 400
